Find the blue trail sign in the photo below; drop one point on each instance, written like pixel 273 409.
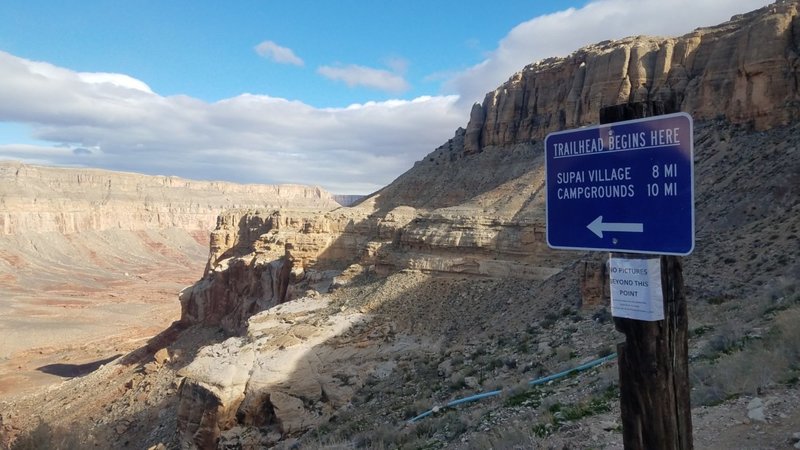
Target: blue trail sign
pixel 622 187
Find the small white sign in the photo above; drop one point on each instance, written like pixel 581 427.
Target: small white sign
pixel 636 289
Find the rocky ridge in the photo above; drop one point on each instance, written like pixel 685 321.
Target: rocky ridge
pixel 744 70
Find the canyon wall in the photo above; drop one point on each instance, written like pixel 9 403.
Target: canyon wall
pixel 259 257
pixel 69 200
pixel 744 70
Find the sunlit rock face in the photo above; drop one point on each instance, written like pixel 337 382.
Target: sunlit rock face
pixel 67 200
pixel 743 70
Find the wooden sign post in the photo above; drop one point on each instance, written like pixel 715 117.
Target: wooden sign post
pixel 653 360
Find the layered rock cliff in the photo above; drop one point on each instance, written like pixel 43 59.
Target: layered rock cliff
pixel 48 199
pixel 744 70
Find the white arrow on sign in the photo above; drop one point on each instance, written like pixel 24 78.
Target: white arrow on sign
pixel 597 227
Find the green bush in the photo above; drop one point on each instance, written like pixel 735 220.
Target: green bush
pixel 531 397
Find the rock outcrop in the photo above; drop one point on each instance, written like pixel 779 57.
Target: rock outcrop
pixel 258 257
pixel 744 70
pixel 66 200
pixel 289 372
pixel 262 258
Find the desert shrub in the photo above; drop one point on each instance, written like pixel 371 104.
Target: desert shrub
pixel 510 438
pixel 554 414
pixel 43 436
pixel 564 353
pixel 751 371
pixel 718 299
pixel 495 363
pixel 784 338
pixel 605 351
pixel 425 429
pixel 523 346
pixel 480 351
pixel 382 437
pixel 415 409
pixel 595 405
pixel 759 365
pixel 453 425
pixel 548 321
pixel 700 331
pixel 781 295
pixel 705 390
pixel 327 444
pixel 543 429
pixel 524 396
pixel 602 316
pixel 458 384
pixel 726 340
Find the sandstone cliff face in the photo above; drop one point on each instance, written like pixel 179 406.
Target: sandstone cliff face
pixel 47 199
pixel 257 257
pixel 262 258
pixel 745 70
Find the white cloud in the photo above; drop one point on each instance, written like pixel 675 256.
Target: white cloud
pixel 354 75
pixel 561 33
pixel 117 122
pixel 114 79
pixel 397 64
pixel 248 138
pixel 275 52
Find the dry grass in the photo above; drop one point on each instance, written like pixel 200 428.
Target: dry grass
pixel 752 366
pixel 46 437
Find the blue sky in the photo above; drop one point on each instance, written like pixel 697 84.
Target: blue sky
pixel 342 94
pixel 205 49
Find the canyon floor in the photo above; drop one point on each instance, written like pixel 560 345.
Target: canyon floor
pixel 72 303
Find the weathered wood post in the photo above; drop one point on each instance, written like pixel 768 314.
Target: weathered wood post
pixel 653 360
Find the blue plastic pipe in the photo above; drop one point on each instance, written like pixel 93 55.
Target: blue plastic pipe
pixel 535 382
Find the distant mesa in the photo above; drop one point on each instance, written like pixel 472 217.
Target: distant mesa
pixel 43 199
